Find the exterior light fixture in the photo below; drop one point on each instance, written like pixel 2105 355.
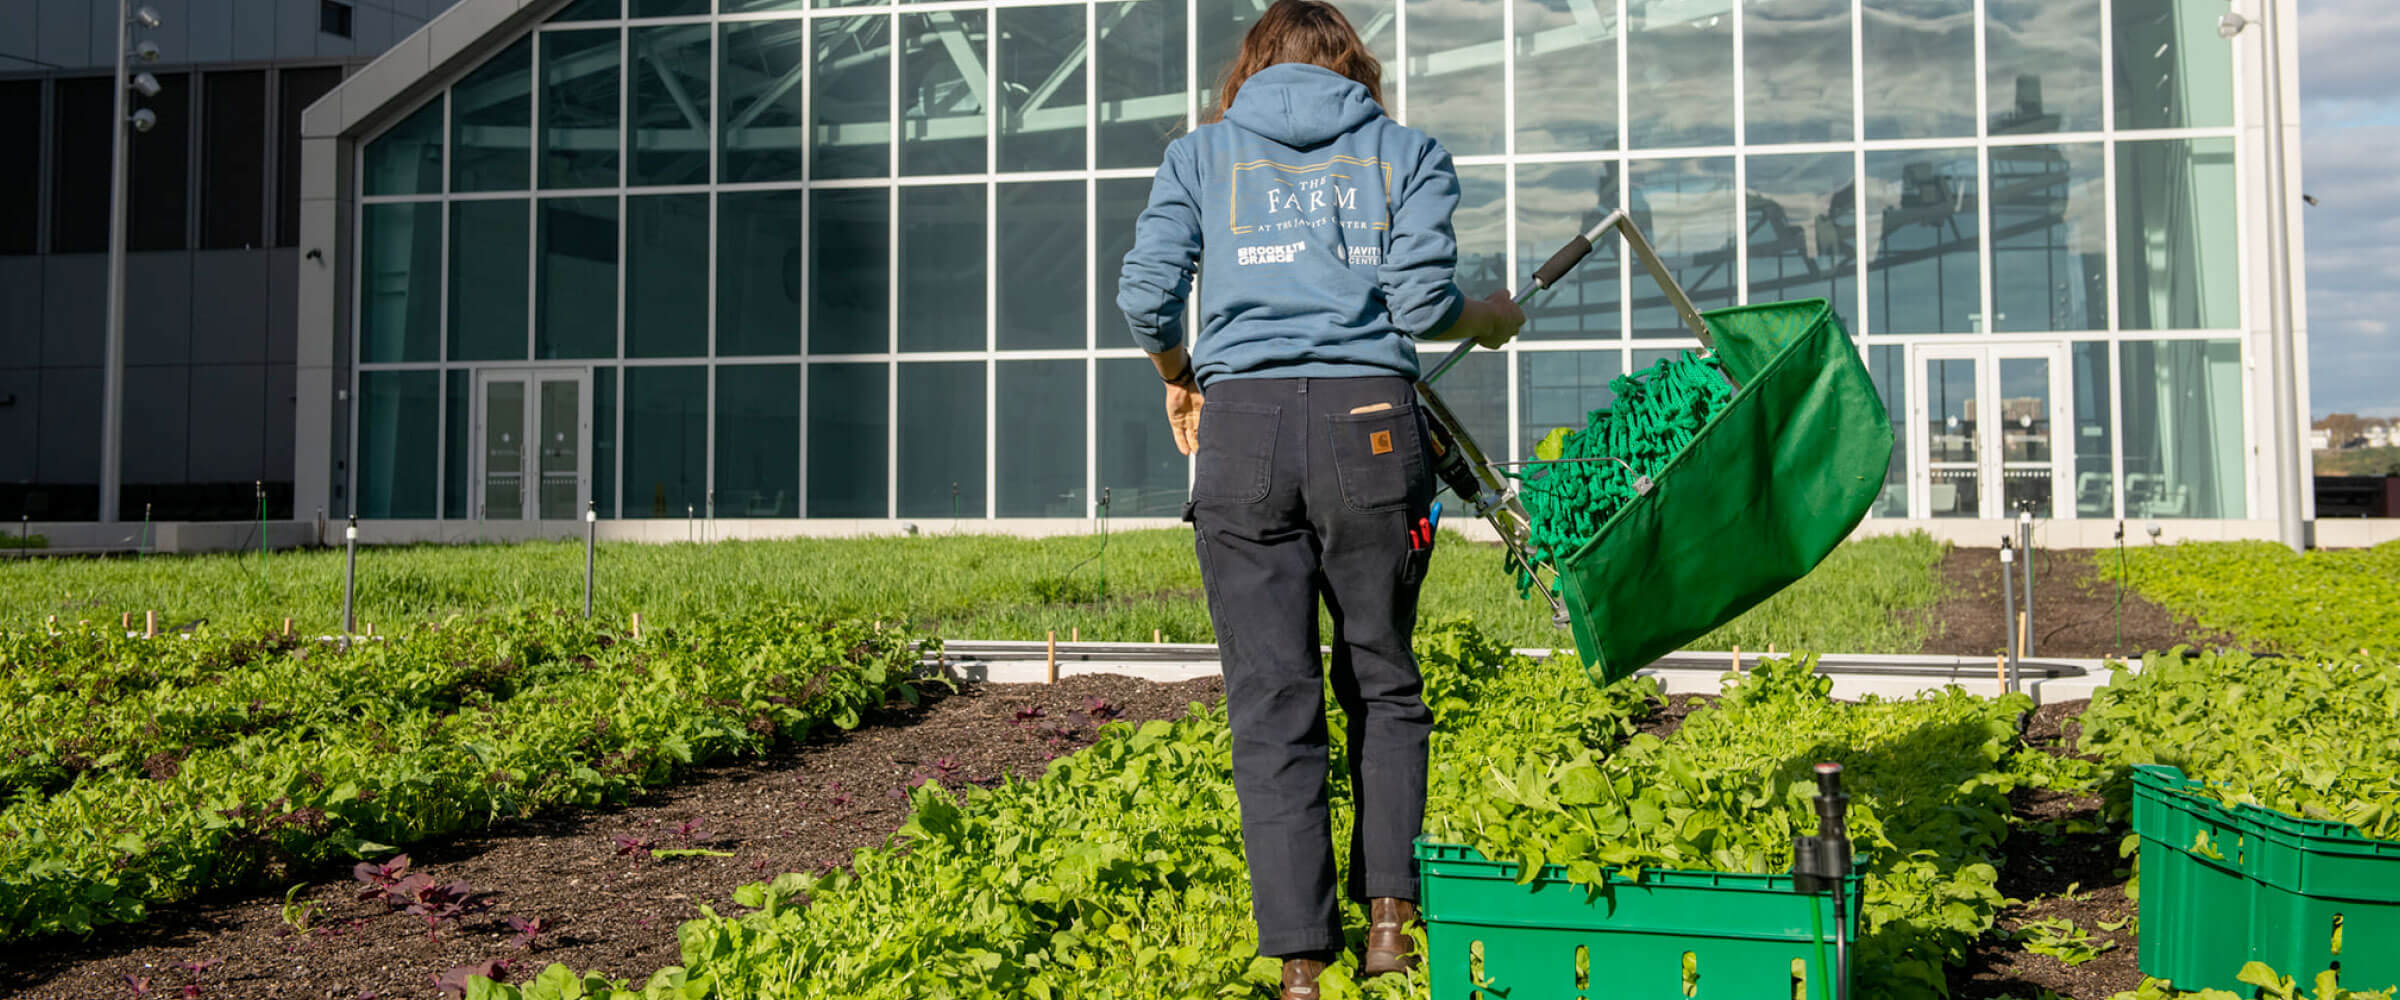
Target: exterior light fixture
pixel 2231 24
pixel 146 17
pixel 145 85
pixel 146 51
pixel 143 120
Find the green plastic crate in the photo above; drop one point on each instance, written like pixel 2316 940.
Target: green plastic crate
pixel 2225 886
pixel 1746 937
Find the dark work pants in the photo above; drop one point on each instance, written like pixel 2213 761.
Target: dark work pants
pixel 1301 493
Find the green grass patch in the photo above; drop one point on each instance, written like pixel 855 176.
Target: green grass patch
pixel 2329 601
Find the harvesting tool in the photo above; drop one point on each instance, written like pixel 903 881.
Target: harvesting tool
pixel 1776 476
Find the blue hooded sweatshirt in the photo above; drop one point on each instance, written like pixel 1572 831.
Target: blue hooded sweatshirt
pixel 1322 225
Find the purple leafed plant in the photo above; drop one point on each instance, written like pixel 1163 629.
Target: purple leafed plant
pixel 453 982
pixel 945 765
pixel 199 966
pixel 1029 713
pixel 375 880
pixel 1101 709
pixel 632 844
pixel 140 984
pixel 690 831
pixel 529 932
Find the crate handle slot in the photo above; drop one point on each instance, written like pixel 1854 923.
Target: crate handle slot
pixel 1799 979
pixel 1691 974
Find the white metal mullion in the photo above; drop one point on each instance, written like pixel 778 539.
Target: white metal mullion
pixel 1191 120
pixel 1986 254
pixel 891 282
pixel 1091 238
pixel 991 271
pixel 2110 253
pixel 1399 95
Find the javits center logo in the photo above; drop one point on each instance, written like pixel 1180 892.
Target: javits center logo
pixel 1344 191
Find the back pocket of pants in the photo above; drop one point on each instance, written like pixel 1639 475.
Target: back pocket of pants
pixel 1377 455
pixel 1237 447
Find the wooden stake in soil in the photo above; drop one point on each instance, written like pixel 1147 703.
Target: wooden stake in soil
pixel 1075 633
pixel 2000 672
pixel 128 621
pixel 1737 659
pixel 2021 627
pixel 1160 635
pixel 149 624
pixel 287 628
pixel 637 624
pixel 1053 656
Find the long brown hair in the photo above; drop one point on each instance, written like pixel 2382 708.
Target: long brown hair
pixel 1301 31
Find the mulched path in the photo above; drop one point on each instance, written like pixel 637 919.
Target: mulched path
pixel 804 808
pixel 2045 861
pixel 2074 610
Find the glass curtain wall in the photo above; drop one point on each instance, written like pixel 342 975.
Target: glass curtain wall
pixel 852 260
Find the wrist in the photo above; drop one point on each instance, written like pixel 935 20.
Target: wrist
pixel 1186 379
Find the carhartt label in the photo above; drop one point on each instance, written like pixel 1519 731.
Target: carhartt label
pixel 1280 253
pixel 1380 442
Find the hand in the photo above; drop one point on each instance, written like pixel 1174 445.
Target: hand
pixel 1503 320
pixel 1183 414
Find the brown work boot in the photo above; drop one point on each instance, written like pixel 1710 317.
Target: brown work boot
pixel 1300 978
pixel 1389 948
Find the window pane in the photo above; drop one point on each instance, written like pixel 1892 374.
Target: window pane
pixel 941 268
pixel 399 314
pixel 2183 429
pixel 604 441
pixel 589 10
pixel 1803 226
pixel 399 416
pixel 1796 70
pixel 2093 481
pixel 408 159
pixel 666 441
pixel 579 108
pixel 941 93
pixel 739 6
pixel 2049 238
pixel 578 294
pixel 1560 389
pixel 847 443
pixel 2177 249
pixel 1566 76
pixel 1041 85
pixel 1481 226
pixel 1139 466
pixel 668 100
pixel 941 439
pixel 1455 75
pixel 848 240
pixel 2043 62
pixel 82 107
pixel 298 88
pixel 1686 209
pixel 1041 265
pixel 853 94
pixel 1555 203
pixel 1681 90
pixel 1223 24
pixel 233 164
pixel 1477 391
pixel 487 279
pixel 1921 221
pixel 1888 366
pixel 666 276
pixel 1141 94
pixel 158 162
pixel 1041 439
pixel 491 123
pixel 667 8
pixel 459 444
pixel 758 270
pixel 758 441
pixel 1117 203
pixel 764 125
pixel 1920 68
pixel 21 166
pixel 2172 71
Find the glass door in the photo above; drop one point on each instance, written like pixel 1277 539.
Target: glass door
pixel 1983 431
pixel 532 433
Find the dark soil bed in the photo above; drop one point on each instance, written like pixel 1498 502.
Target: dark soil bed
pixel 604 902
pixel 2075 612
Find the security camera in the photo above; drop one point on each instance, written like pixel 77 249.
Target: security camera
pixel 146 51
pixel 146 17
pixel 144 120
pixel 145 84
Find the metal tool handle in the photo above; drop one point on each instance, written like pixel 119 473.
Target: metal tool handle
pixel 1572 254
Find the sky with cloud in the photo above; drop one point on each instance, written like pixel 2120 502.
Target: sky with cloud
pixel 2350 135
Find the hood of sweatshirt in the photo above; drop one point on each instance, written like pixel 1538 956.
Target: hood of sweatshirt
pixel 1301 105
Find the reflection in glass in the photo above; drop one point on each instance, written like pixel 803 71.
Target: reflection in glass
pixel 760 65
pixel 758 441
pixel 399 315
pixel 1455 75
pixel 1922 235
pixel 847 444
pixel 1566 76
pixel 487 279
pixel 848 240
pixel 407 159
pixel 1686 208
pixel 503 495
pixel 2183 429
pixel 579 108
pixel 1116 203
pixel 1223 22
pixel 398 443
pixel 851 91
pixel 1560 389
pixel 2049 238
pixel 589 10
pixel 491 123
pixel 458 443
pixel 1555 203
pixel 666 276
pixel 2094 484
pixel 1481 226
pixel 1951 437
pixel 668 8
pixel 1041 266
pixel 1040 439
pixel 2177 247
pixel 2025 410
pixel 941 439
pixel 1139 465
pixel 941 268
pixel 1141 95
pixel 1802 226
pixel 2042 65
pixel 576 285
pixel 1477 391
pixel 758 271
pixel 2172 71
pixel 941 93
pixel 666 441
pixel 668 100
pixel 558 450
pixel 1919 68
pixel 1796 70
pixel 1680 90
pixel 1041 57
pixel 1888 367
pixel 604 441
